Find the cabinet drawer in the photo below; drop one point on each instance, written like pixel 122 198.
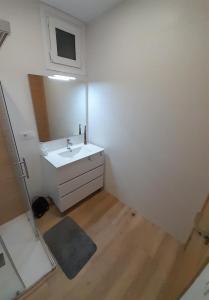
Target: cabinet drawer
pixel 80 167
pixel 79 181
pixel 76 196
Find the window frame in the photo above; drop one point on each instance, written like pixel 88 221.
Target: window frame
pixel 54 23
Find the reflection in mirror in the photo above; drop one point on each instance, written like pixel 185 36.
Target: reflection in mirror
pixel 59 107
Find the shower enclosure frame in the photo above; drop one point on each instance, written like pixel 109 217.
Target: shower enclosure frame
pixel 22 174
pixel 6 256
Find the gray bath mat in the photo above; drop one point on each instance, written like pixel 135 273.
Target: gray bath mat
pixel 70 245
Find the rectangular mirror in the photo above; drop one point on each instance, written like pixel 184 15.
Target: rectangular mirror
pixel 59 107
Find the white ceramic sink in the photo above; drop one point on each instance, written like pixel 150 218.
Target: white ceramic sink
pixel 63 156
pixel 70 153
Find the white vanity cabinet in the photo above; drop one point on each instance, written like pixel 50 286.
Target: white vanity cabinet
pixel 69 184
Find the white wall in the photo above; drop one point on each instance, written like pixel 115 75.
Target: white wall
pixel 22 53
pixel 148 101
pixel 66 107
pixel 149 106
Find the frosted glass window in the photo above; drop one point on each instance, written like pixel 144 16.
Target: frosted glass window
pixel 65 44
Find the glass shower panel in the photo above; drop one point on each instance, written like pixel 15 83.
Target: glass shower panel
pixel 10 282
pixel 24 247
pixel 19 164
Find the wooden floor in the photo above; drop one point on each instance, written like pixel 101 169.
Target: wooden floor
pixel 133 260
pixel 191 259
pixel 187 266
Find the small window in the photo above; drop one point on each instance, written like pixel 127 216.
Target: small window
pixel 65 43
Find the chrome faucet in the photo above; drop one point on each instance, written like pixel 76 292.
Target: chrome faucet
pixel 69 144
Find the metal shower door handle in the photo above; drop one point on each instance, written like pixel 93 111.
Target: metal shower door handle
pixel 24 164
pixel 26 168
pixel 2 260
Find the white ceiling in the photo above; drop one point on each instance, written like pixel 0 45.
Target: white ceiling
pixel 85 10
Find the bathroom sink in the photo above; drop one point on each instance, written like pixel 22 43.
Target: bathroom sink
pixel 61 157
pixel 71 153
